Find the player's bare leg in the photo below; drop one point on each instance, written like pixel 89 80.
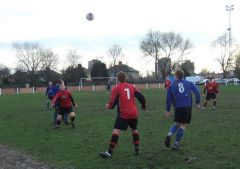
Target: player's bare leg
pixel 72 118
pixel 205 104
pixel 59 119
pixel 214 104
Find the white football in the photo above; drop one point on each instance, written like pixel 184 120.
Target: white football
pixel 90 16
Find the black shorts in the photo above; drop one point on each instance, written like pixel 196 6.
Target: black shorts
pixel 50 97
pixel 122 124
pixel 63 110
pixel 183 115
pixel 57 106
pixel 210 96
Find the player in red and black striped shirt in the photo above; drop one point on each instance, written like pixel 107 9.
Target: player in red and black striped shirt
pixel 123 95
pixel 212 90
pixel 66 103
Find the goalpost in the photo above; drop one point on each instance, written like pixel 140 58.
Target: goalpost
pixel 111 80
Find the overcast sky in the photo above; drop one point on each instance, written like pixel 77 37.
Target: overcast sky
pixel 62 25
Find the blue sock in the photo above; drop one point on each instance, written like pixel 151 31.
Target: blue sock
pixel 65 117
pixel 179 134
pixel 173 130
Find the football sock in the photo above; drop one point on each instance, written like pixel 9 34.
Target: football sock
pixel 55 117
pixel 136 140
pixel 214 103
pixel 72 119
pixel 65 117
pixel 113 143
pixel 172 130
pixel 58 123
pixel 179 134
pixel 205 104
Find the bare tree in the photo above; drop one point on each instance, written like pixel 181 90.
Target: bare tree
pixel 151 46
pixel 165 45
pixel 73 57
pixel 225 58
pixel 50 59
pixel 4 73
pixel 175 47
pixel 32 58
pixel 237 64
pixel 115 52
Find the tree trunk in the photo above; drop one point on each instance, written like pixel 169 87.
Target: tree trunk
pixel 156 70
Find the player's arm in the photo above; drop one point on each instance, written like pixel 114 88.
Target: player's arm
pixel 217 91
pixel 196 93
pixel 140 98
pixel 169 99
pixel 55 98
pixel 204 90
pixel 114 99
pixel 72 100
pixel 47 91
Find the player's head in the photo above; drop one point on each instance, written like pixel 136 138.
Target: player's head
pixel 121 77
pixel 179 74
pixel 50 83
pixel 59 81
pixel 62 86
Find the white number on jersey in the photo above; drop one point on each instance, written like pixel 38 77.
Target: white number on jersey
pixel 128 93
pixel 180 87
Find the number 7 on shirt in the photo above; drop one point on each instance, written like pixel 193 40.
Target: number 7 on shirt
pixel 128 93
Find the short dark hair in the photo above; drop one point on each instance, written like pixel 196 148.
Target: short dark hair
pixel 121 77
pixel 179 74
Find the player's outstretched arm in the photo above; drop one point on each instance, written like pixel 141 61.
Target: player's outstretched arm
pixel 196 93
pixel 114 99
pixel 169 99
pixel 141 99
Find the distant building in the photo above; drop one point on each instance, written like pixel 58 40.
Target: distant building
pixel 164 67
pixel 91 63
pixel 47 75
pixel 90 66
pixel 188 67
pixel 131 73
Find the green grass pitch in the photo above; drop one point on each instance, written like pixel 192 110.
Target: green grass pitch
pixel 213 136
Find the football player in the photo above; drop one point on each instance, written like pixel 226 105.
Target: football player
pixel 180 95
pixel 123 95
pixel 212 91
pixel 66 104
pixel 49 93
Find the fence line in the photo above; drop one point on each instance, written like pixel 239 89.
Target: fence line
pixel 79 88
pixel 33 90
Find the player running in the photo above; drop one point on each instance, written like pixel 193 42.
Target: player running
pixel 123 95
pixel 66 103
pixel 49 93
pixel 212 91
pixel 180 95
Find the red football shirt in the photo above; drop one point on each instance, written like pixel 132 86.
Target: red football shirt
pixel 211 87
pixel 64 98
pixel 125 94
pixel 167 83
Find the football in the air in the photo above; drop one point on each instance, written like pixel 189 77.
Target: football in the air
pixel 90 16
